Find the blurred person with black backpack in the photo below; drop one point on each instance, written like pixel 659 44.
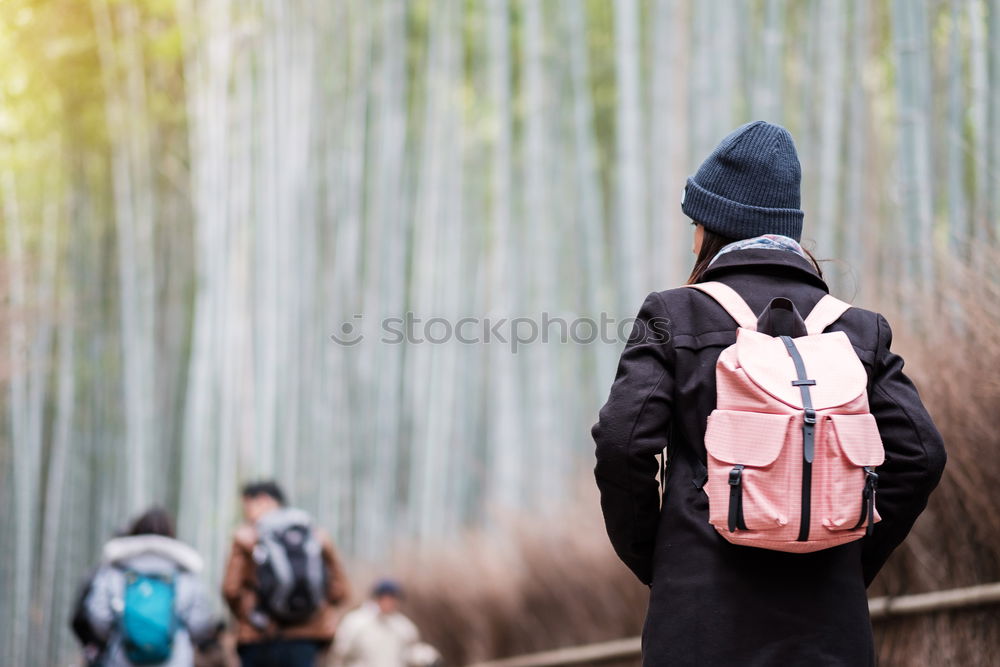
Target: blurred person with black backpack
pixel 282 582
pixel 145 603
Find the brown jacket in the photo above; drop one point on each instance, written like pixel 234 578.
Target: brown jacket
pixel 239 590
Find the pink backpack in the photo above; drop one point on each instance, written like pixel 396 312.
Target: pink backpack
pixel 792 447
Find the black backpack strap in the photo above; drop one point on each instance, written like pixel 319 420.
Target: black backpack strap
pixel 700 477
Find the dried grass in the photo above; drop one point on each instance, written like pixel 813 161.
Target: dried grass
pixel 527 586
pixel 537 584
pixel 956 542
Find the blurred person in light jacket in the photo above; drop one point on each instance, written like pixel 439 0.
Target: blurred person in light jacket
pixel 377 634
pixel 148 582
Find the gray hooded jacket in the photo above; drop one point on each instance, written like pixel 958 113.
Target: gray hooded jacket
pixel 153 554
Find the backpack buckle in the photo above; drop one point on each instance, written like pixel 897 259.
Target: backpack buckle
pixel 810 416
pixel 872 477
pixel 735 474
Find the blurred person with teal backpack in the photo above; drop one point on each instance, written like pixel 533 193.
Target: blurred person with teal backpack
pixel 146 601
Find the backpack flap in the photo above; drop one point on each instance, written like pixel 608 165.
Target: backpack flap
pixel 748 438
pixel 854 451
pixel 830 359
pixel 859 439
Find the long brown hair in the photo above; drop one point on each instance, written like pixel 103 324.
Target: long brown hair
pixel 154 521
pixel 711 244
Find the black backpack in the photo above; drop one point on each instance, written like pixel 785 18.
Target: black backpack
pixel 92 643
pixel 291 573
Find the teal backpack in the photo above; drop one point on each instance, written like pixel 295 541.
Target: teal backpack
pixel 148 621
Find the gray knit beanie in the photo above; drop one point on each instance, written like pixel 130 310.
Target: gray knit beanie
pixel 749 185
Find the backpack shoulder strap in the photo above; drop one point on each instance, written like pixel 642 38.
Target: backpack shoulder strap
pixel 734 304
pixel 827 311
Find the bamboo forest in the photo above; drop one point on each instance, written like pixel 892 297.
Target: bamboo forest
pixel 388 253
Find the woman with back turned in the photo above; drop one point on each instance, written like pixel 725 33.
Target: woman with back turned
pixel 780 508
pixel 147 602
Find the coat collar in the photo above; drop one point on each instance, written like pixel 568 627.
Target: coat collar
pixel 125 548
pixel 753 260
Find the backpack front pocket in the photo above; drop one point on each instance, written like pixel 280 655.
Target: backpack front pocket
pixel 748 481
pixel 851 451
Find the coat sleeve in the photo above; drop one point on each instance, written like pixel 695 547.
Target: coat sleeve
pixel 337 587
pixel 101 601
pixel 631 430
pixel 234 581
pixel 345 643
pixel 408 634
pixel 914 455
pixel 197 616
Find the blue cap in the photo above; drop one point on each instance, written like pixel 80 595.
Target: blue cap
pixel 387 587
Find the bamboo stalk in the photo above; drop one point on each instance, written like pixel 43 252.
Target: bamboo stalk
pixel 857 235
pixel 630 190
pixel 134 208
pixel 665 226
pixel 770 82
pixel 993 107
pixel 957 213
pixel 17 645
pixel 910 38
pixel 506 430
pixel 59 457
pixel 978 142
pixel 831 101
pixel 541 250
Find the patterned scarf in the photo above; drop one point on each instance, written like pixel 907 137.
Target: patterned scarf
pixel 764 242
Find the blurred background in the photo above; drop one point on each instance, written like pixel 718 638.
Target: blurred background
pixel 210 207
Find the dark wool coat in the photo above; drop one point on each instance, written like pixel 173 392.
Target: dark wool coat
pixel 712 602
